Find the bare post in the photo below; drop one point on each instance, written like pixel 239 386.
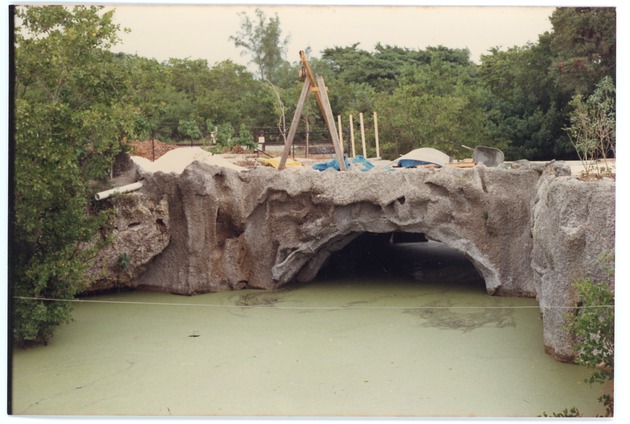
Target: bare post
pixel 340 129
pixel 378 150
pixel 354 153
pixel 362 134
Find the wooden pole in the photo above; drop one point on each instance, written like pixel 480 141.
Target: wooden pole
pixel 378 150
pixel 330 122
pixel 308 135
pixel 294 124
pixel 340 129
pixel 354 153
pixel 362 135
pixel 310 76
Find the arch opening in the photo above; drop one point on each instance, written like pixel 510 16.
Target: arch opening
pixel 401 255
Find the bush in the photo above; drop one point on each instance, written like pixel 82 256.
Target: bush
pixel 592 129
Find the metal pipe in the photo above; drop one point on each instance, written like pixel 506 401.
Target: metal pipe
pixel 117 190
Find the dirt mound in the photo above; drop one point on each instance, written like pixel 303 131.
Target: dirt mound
pixel 177 160
pixel 150 149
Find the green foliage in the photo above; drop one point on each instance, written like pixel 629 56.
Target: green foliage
pixel 524 105
pixel 593 326
pixel 71 119
pixel 437 105
pixel 594 329
pixel 592 129
pixel 227 138
pixel 584 46
pixel 124 260
pixel 262 39
pixel 531 86
pixel 189 129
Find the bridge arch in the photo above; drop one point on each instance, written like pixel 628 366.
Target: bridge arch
pixel 311 259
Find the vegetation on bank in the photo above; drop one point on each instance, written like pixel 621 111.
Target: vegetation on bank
pixel 593 327
pixel 77 105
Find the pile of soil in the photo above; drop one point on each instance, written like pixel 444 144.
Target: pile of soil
pixel 150 149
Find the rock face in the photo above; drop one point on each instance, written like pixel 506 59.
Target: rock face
pixel 224 229
pixel 140 231
pixel 573 226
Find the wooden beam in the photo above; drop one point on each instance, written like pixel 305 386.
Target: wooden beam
pixel 294 124
pixel 330 122
pixel 310 76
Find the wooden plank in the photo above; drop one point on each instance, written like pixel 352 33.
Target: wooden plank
pixel 294 124
pixel 330 122
pixel 310 76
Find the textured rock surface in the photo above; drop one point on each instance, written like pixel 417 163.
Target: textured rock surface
pixel 573 226
pixel 525 227
pixel 264 228
pixel 140 231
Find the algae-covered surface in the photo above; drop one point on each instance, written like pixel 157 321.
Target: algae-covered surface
pixel 352 347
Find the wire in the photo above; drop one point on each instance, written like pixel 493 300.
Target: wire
pixel 276 306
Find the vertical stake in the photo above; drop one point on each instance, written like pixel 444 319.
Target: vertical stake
pixel 378 150
pixel 362 134
pixel 354 153
pixel 340 129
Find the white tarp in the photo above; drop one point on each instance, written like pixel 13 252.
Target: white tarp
pixel 426 154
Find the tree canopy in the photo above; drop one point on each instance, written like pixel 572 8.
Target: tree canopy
pixel 71 119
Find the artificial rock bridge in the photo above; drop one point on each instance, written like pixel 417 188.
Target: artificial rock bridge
pixel 527 228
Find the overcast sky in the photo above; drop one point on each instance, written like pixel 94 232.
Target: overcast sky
pixel 203 31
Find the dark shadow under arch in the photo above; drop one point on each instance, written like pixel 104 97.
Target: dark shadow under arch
pixel 401 255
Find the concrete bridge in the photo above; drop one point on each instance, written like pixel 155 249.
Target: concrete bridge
pixel 528 229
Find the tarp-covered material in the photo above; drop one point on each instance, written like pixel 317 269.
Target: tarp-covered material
pixel 334 164
pixel 422 156
pixel 275 162
pixel 361 163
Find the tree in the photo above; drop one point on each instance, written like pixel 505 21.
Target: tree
pixel 584 45
pixel 437 105
pixel 262 39
pixel 524 103
pixel 71 119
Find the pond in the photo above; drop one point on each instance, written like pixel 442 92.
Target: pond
pixel 428 342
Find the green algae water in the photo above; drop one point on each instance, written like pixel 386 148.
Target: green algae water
pixel 377 345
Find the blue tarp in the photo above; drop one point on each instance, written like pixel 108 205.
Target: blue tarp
pixel 334 164
pixel 362 163
pixel 414 163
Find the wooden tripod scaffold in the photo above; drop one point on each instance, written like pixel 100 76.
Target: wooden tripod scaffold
pixel 316 85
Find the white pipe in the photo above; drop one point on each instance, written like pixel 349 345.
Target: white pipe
pixel 122 189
